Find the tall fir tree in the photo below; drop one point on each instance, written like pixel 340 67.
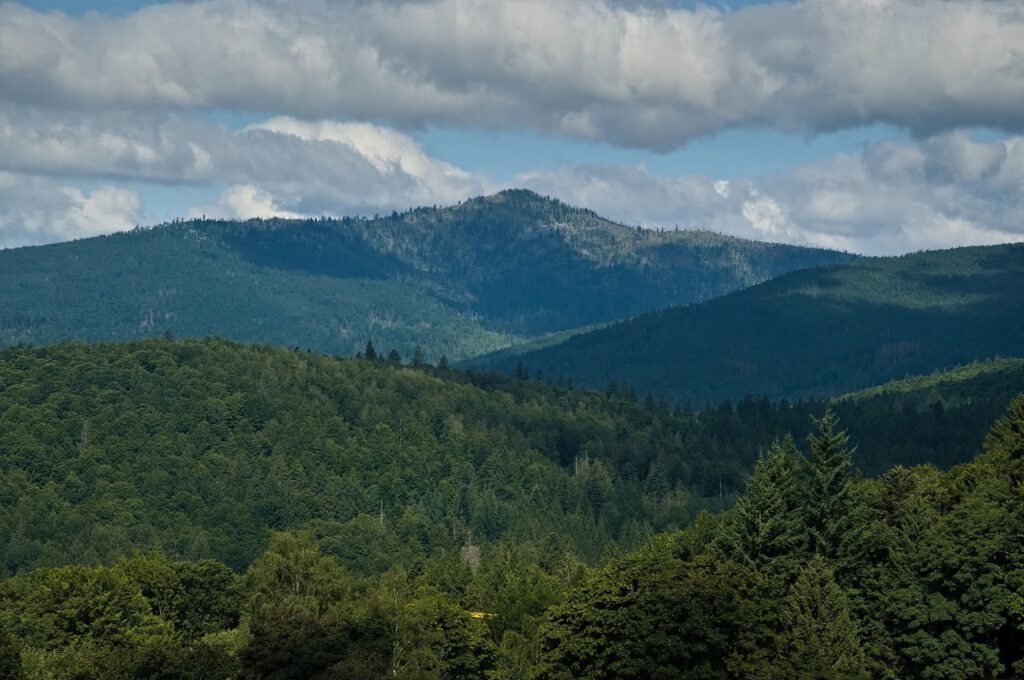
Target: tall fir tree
pixel 829 472
pixel 823 641
pixel 765 529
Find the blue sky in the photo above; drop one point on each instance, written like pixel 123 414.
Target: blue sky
pixel 878 127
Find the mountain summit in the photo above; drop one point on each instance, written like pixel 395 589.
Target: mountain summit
pixel 457 280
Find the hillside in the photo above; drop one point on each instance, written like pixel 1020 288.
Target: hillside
pixel 462 280
pixel 815 332
pixel 1002 377
pixel 815 572
pixel 199 448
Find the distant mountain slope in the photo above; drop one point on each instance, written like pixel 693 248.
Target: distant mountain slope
pixel 816 332
pixel 1002 377
pixel 937 418
pixel 461 280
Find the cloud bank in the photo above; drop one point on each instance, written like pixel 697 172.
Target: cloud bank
pixel 895 197
pixel 91 107
pixel 637 75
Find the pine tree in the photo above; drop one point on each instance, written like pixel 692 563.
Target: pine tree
pixel 824 642
pixel 370 353
pixel 828 503
pixel 765 528
pixel 521 373
pixel 1007 435
pixel 443 363
pixel 394 357
pixel 417 357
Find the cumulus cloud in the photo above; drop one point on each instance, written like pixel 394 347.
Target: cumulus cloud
pixel 641 75
pixel 309 168
pixel 39 210
pixel 896 197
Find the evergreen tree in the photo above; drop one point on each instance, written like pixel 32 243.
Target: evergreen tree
pixel 443 363
pixel 765 528
pixel 417 357
pixel 1007 435
pixel 521 373
pixel 828 481
pixel 394 357
pixel 370 352
pixel 823 639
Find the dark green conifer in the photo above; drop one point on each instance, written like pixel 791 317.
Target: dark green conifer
pixel 829 472
pixel 765 529
pixel 824 642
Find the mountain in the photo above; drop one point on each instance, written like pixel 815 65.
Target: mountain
pixel 461 280
pixel 815 332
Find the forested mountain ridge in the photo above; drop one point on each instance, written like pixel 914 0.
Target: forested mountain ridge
pixel 815 573
pixel 198 448
pixel 1002 377
pixel 816 332
pixel 459 280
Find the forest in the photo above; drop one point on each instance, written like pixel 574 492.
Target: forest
pixel 205 509
pixel 810 333
pixel 459 280
pixel 815 572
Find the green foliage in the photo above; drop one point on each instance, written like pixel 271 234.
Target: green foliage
pixel 198 449
pixel 819 332
pixel 935 591
pixel 10 657
pixel 765 529
pixel 459 281
pixel 823 641
pixel 922 578
pixel 827 501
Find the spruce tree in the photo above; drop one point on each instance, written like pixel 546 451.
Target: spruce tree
pixel 417 357
pixel 765 529
pixel 370 352
pixel 829 472
pixel 521 373
pixel 824 642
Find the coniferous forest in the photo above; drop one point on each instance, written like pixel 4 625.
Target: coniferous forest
pixel 203 509
pixel 511 340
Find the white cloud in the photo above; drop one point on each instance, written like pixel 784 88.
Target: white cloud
pixel 243 202
pixel 896 197
pixel 39 210
pixel 310 168
pixel 630 74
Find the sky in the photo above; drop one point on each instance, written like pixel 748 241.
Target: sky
pixel 874 126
